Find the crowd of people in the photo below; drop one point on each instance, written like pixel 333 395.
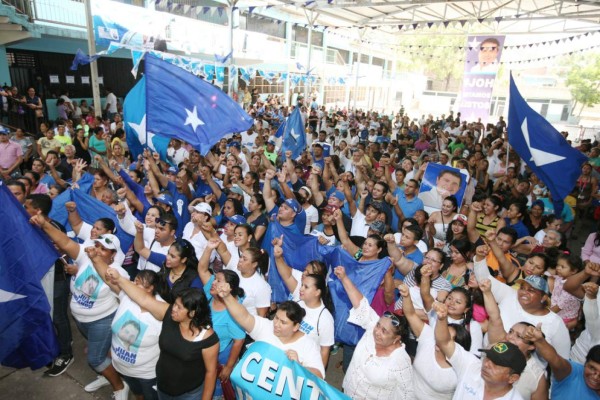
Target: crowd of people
pixel 483 298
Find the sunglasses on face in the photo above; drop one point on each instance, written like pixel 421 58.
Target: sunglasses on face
pixel 161 222
pixel 393 318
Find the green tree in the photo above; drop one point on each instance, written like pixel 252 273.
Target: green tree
pixel 582 73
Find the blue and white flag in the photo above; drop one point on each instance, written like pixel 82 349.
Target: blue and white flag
pixel 294 137
pixel 181 105
pixel 134 115
pixel 543 148
pixel 82 59
pixel 280 130
pixel 26 255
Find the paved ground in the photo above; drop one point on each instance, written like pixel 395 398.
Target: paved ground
pixel 33 385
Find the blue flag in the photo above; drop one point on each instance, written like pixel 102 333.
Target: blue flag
pixel 26 255
pixel 82 59
pixel 134 114
pixel 366 276
pixel 280 130
pixel 181 105
pixel 90 210
pixel 294 138
pixel 543 148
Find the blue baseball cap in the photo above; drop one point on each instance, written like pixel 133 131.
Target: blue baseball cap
pixel 164 199
pixel 537 282
pixel 294 205
pixel 172 170
pixel 236 219
pixel 235 144
pixel 338 194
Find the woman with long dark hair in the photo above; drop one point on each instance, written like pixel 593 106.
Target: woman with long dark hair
pixel 456 272
pixel 256 217
pixel 189 347
pixel 179 270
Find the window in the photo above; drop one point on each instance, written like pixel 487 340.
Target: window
pixel 334 94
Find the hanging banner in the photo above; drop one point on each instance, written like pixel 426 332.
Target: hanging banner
pixel 482 60
pixel 266 373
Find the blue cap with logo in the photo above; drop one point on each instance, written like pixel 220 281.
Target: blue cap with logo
pixel 338 194
pixel 537 282
pixel 164 199
pixel 294 205
pixel 236 219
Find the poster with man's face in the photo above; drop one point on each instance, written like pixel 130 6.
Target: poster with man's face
pixel 439 182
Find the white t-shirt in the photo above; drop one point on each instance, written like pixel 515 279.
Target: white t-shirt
pixel 318 324
pixel 372 377
pixel 155 247
pixel 178 155
pixel 470 383
pixel 257 292
pixel 359 225
pixel 92 298
pixel 511 311
pixel 312 216
pixel 134 349
pixel 198 240
pixel 425 367
pixel 309 353
pixel 111 99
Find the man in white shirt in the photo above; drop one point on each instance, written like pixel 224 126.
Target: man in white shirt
pixel 111 104
pixel 176 152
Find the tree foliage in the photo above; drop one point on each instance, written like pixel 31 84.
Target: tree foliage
pixel 582 77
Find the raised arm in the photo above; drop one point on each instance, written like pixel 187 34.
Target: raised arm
pixel 159 176
pixel 425 288
pixel 60 239
pixel 237 311
pixel 353 293
pixel 348 245
pixel 416 324
pixel 285 271
pixel 203 263
pixel 267 190
pixel 472 231
pixel 561 368
pixel 442 333
pixel 574 282
pixel 403 264
pixel 496 332
pixel 73 217
pixel 143 299
pixel 138 242
pixel 507 268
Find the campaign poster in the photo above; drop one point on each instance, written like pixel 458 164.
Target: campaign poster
pixel 440 181
pixel 482 60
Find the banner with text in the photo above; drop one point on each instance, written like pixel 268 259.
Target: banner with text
pixel 266 373
pixel 481 66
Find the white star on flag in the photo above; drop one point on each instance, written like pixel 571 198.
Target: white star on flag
pixel 474 44
pixel 192 118
pixel 294 135
pixel 144 136
pixel 539 157
pixel 5 296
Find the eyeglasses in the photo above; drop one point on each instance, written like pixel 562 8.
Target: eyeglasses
pixel 488 49
pixel 161 222
pixel 393 318
pixel 433 260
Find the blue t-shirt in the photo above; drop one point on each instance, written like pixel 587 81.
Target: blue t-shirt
pixel 180 207
pixel 520 227
pixel 224 325
pixel 573 386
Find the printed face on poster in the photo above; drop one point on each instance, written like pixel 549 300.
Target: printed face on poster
pixel 439 182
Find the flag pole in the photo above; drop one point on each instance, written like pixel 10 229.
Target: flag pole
pixel 93 65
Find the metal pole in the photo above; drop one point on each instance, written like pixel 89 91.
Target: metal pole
pixel 356 77
pixel 232 80
pixel 93 65
pixel 307 84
